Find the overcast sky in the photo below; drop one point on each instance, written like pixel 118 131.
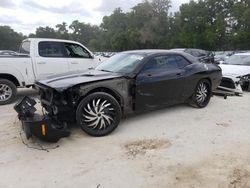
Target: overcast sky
pixel 26 15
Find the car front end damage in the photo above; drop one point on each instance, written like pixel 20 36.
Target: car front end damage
pixel 41 126
pixel 59 107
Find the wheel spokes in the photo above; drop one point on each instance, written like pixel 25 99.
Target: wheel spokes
pixel 5 92
pixel 202 93
pixel 98 114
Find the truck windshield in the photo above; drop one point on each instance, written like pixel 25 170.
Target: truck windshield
pixel 25 48
pixel 121 63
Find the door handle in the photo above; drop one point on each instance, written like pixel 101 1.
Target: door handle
pixel 179 74
pixel 74 62
pixel 41 63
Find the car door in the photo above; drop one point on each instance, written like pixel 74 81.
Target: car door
pixel 160 82
pixel 188 78
pixel 79 58
pixel 51 59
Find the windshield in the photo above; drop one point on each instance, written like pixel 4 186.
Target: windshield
pixel 121 63
pixel 238 60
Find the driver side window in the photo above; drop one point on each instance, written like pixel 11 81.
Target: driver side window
pixel 161 63
pixel 76 51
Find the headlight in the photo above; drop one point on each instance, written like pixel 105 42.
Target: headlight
pixel 245 78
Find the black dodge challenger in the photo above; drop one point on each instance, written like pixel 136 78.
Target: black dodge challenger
pixel 129 82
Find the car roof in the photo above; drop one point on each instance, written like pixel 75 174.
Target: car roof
pixel 246 53
pixel 153 51
pixel 50 39
pixel 149 52
pixel 178 49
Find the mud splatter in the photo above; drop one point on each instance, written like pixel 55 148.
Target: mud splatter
pixel 240 178
pixel 140 147
pixel 223 124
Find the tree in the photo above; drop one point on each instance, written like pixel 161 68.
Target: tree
pixel 62 31
pixel 45 32
pixel 10 40
pixel 240 25
pixel 146 26
pixel 84 33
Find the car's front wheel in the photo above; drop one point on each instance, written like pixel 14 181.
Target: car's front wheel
pixel 202 94
pixel 98 114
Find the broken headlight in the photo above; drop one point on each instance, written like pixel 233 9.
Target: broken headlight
pixel 244 79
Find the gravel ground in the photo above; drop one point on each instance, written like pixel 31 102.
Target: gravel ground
pixel 178 146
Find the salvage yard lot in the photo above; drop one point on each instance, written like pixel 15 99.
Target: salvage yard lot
pixel 178 146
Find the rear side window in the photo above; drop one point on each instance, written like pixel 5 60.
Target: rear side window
pixel 76 51
pixel 161 63
pixel 51 49
pixel 166 63
pixel 25 48
pixel 196 52
pixel 181 61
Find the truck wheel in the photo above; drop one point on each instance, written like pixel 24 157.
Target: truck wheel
pixel 8 91
pixel 98 114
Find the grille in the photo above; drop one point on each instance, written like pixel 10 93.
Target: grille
pixel 227 82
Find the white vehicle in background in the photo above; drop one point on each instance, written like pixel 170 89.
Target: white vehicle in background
pixel 7 53
pixel 221 56
pixel 39 58
pixel 236 73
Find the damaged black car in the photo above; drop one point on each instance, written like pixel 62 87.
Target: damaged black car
pixel 127 83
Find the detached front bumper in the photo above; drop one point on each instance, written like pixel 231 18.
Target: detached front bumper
pixel 40 126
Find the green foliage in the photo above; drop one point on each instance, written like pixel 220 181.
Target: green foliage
pixel 206 24
pixel 9 39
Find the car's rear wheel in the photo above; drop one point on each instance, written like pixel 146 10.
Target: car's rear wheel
pixel 98 114
pixel 202 94
pixel 7 91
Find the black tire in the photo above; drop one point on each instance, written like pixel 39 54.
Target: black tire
pixel 7 86
pixel 200 99
pixel 97 117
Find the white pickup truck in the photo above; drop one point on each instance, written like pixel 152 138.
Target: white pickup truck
pixel 40 58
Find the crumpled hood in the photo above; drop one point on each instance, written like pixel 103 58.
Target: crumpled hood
pixel 67 80
pixel 235 70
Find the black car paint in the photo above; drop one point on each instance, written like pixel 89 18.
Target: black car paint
pixel 201 55
pixel 172 87
pixel 135 92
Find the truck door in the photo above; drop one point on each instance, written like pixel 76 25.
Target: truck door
pixel 51 59
pixel 79 58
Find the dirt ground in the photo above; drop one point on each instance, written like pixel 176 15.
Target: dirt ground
pixel 179 146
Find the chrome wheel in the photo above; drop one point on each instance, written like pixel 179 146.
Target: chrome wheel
pixel 98 114
pixel 5 92
pixel 202 93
